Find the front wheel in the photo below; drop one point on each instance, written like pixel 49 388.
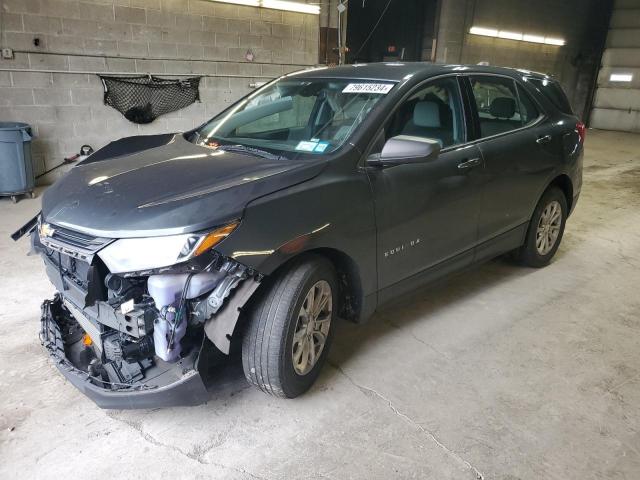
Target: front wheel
pixel 545 229
pixel 289 329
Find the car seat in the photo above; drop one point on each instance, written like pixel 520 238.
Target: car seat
pixel 427 123
pixel 503 109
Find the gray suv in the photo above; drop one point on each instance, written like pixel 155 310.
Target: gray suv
pixel 326 193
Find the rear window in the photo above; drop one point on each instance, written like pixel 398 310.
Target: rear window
pixel 554 93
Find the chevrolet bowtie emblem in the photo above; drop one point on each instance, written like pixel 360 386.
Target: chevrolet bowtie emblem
pixel 46 230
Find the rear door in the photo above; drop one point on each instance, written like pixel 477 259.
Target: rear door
pixel 519 150
pixel 426 212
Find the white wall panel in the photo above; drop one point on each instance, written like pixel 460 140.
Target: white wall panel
pixel 605 75
pixel 623 38
pixel 616 98
pixel 619 120
pixel 625 17
pixel 621 57
pixel 616 104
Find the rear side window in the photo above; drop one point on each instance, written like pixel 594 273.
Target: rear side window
pixel 497 104
pixel 554 93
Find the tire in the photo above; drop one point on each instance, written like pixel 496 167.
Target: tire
pixel 533 253
pixel 276 315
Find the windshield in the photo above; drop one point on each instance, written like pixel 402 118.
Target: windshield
pixel 295 115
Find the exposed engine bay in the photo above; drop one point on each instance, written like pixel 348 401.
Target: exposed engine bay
pixel 140 330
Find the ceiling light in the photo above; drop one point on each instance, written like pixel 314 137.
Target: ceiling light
pixel 510 35
pixel 291 6
pixel 533 38
pixel 621 77
pixel 484 31
pixel 277 5
pixel 554 41
pixel 523 37
pixel 251 3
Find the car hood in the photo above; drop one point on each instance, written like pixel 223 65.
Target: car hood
pixel 164 185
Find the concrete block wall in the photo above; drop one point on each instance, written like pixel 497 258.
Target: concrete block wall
pixel 53 86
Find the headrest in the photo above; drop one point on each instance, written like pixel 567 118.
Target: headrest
pixel 426 114
pixel 503 107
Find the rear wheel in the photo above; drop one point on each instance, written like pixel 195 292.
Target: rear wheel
pixel 545 229
pixel 289 329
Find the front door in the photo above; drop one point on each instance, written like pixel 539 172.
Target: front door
pixel 427 212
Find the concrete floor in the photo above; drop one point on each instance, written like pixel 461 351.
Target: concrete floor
pixel 505 372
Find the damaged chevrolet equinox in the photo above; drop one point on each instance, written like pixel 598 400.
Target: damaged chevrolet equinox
pixel 325 193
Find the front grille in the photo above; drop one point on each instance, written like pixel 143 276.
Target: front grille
pixel 78 240
pixel 73 243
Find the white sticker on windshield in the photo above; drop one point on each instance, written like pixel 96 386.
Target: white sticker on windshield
pixel 306 146
pixel 381 88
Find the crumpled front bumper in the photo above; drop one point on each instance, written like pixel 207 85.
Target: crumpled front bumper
pixel 189 390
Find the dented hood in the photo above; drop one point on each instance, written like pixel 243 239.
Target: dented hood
pixel 164 185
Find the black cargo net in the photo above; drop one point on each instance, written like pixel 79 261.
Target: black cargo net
pixel 142 99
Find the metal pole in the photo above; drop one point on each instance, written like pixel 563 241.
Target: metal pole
pixel 340 48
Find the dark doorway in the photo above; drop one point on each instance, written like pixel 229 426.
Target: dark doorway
pixel 404 30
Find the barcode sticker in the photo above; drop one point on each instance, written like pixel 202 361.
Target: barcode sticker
pixel 381 88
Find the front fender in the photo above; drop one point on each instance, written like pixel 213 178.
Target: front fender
pixel 334 211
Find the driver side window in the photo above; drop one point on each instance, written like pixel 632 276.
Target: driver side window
pixel 433 111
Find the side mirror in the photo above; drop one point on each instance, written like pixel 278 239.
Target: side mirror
pixel 405 149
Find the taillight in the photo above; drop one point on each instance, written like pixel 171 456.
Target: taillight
pixel 581 128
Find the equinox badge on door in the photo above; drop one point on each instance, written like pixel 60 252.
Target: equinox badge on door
pixel 401 248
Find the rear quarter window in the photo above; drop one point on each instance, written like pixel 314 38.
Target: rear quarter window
pixel 554 93
pixel 528 111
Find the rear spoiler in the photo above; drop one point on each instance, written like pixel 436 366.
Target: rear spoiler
pixel 28 227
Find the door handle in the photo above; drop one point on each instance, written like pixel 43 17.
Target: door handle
pixel 543 140
pixel 474 162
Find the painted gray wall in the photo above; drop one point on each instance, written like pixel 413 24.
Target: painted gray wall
pixel 78 38
pixel 616 104
pixel 576 21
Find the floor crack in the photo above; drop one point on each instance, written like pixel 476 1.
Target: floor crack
pixel 406 418
pixel 196 456
pixel 416 338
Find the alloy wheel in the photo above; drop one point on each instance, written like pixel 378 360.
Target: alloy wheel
pixel 312 327
pixel 548 227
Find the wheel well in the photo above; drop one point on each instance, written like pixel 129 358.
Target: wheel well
pixel 563 182
pixel 351 295
pixel 350 285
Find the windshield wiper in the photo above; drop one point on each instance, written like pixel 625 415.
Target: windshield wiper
pixel 250 150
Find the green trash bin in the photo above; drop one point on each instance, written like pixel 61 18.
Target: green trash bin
pixel 16 166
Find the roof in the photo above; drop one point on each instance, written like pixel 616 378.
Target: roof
pixel 396 71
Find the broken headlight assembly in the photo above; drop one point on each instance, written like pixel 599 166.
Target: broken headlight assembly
pixel 137 254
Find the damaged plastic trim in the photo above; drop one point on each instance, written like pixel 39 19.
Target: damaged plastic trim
pixel 221 317
pixel 219 328
pixel 28 227
pixel 187 389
